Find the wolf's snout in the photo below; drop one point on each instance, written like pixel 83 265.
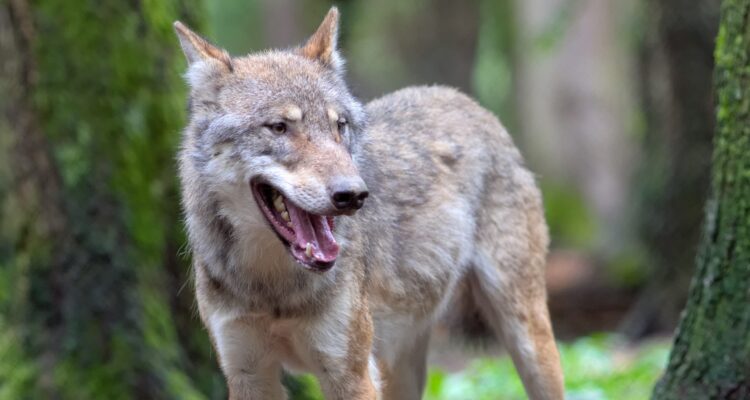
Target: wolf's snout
pixel 348 193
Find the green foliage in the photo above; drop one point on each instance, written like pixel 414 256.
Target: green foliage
pixel 236 26
pixel 599 367
pixel 492 80
pixel 570 222
pixel 302 387
pixel 627 268
pixel 552 35
pixel 16 371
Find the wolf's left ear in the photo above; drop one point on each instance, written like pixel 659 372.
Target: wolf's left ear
pixel 321 46
pixel 198 49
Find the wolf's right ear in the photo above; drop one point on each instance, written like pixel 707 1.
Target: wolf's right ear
pixel 321 46
pixel 198 49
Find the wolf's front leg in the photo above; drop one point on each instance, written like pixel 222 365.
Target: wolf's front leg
pixel 251 370
pixel 339 348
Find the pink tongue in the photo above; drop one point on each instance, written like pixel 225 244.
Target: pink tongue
pixel 313 229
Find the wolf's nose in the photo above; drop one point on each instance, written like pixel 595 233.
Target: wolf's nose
pixel 348 194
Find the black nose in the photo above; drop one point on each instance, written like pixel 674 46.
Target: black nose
pixel 348 194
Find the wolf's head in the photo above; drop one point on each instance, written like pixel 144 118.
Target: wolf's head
pixel 270 139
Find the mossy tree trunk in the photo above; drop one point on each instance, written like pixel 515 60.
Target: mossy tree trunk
pixel 90 279
pixel 711 354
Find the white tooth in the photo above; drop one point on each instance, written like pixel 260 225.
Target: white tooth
pixel 285 216
pixel 289 224
pixel 308 249
pixel 278 204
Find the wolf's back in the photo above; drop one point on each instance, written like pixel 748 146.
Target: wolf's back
pixel 438 165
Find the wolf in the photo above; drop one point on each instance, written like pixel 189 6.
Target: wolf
pixel 329 236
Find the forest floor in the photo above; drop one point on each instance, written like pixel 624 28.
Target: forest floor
pixel 584 302
pixel 596 367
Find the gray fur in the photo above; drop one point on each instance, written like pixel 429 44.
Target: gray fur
pixel 453 217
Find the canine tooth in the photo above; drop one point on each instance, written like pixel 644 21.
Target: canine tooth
pixel 308 249
pixel 278 204
pixel 285 215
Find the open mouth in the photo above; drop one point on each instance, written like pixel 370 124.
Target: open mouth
pixel 308 236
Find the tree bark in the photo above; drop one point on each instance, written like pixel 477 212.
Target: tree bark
pixel 90 286
pixel 711 354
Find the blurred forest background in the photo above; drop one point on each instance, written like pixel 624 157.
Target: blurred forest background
pixel 610 101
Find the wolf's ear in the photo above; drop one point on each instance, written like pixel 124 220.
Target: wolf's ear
pixel 198 49
pixel 322 44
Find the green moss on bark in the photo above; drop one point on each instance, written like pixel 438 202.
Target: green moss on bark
pixel 711 354
pixel 90 303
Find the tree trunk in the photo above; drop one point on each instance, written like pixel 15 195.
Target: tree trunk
pixel 711 354
pixel 576 106
pixel 672 185
pixel 90 285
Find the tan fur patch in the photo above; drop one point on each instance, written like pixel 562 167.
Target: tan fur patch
pixel 293 113
pixel 333 115
pixel 547 357
pixel 360 334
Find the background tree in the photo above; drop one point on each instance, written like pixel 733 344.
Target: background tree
pixel 91 304
pixel 671 186
pixel 711 354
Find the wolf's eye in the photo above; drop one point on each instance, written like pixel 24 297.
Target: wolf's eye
pixel 277 128
pixel 341 123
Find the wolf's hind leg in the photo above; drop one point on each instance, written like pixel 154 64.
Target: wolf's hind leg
pixel 511 297
pixel 519 318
